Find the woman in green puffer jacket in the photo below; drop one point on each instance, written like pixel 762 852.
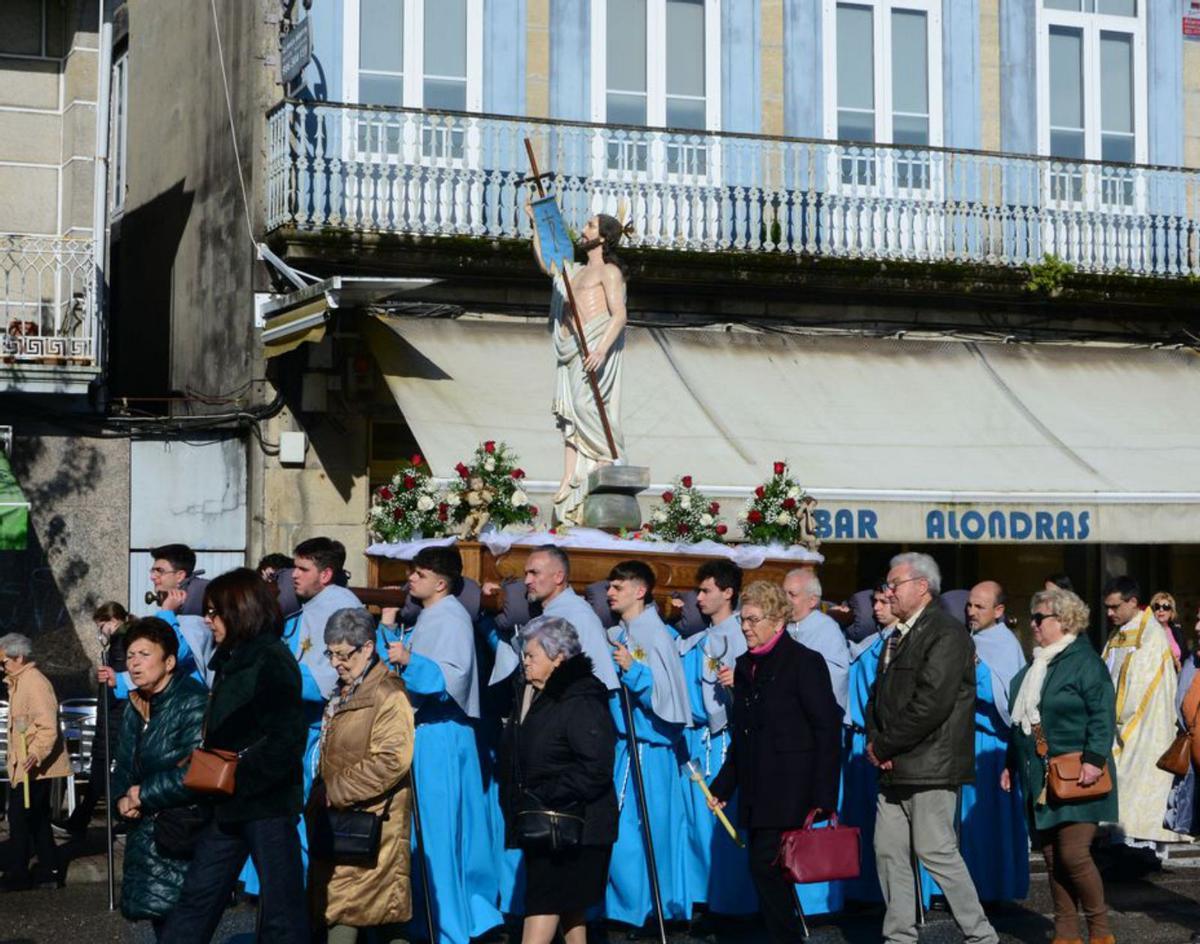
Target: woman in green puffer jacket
pixel 160 728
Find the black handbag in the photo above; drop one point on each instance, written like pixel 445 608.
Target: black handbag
pixel 177 829
pixel 350 836
pixel 536 827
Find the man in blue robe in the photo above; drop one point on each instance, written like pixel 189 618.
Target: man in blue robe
pixel 437 660
pixel 992 834
pixel 652 674
pixel 817 631
pixel 820 633
pixel 718 871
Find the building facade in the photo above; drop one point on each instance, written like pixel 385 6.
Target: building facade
pixel 940 256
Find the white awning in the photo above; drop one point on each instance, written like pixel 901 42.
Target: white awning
pixel 899 440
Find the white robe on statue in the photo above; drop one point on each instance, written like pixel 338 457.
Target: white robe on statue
pixel 1143 673
pixel 574 403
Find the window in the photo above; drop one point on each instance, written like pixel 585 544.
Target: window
pixel 119 132
pixel 415 53
pixel 656 63
pixel 883 74
pixel 1092 80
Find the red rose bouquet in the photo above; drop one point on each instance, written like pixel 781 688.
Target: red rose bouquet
pixel 489 491
pixel 779 513
pixel 409 507
pixel 686 516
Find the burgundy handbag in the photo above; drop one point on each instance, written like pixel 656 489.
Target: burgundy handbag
pixel 820 855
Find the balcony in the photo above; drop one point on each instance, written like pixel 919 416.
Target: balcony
pixel 356 169
pixel 48 300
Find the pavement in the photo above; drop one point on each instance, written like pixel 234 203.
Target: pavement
pixel 1157 906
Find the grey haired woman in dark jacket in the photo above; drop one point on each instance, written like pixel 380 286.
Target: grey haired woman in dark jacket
pixel 558 753
pixel 159 729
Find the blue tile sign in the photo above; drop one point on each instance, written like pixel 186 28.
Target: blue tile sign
pixel 556 244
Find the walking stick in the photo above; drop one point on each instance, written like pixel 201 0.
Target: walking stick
pixel 102 708
pixel 577 323
pixel 421 861
pixel 635 766
pixel 916 870
pixel 799 912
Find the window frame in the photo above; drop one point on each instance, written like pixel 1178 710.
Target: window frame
pixel 413 95
pixel 881 33
pixel 119 135
pixel 1091 26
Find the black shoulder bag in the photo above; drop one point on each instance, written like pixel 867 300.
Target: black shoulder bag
pixel 350 836
pixel 536 827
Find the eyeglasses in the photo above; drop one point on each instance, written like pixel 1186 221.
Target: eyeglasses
pixel 162 571
pixel 1038 618
pixel 210 612
pixel 891 585
pixel 753 620
pixel 1159 607
pixel 342 657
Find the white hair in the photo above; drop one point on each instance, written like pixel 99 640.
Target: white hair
pixel 352 626
pixel 811 583
pixel 16 646
pixel 555 635
pixel 922 565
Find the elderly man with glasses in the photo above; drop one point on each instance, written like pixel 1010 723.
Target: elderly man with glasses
pixel 921 736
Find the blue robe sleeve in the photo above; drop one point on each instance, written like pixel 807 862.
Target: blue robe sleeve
pixel 123 686
pixel 309 689
pixel 384 637
pixel 185 661
pixel 640 681
pixel 424 676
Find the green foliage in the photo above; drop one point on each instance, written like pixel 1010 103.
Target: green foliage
pixel 1047 277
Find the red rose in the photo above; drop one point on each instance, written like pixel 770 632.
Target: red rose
pixel 518 473
pixel 686 481
pixel 647 527
pixel 409 482
pixel 442 513
pixel 684 528
pixel 397 514
pixel 416 459
pixel 489 446
pixel 789 503
pixel 755 516
pixel 463 471
pixel 721 529
pixel 668 497
pixel 780 468
pixel 760 492
pixel 385 493
pixel 533 510
pixel 714 508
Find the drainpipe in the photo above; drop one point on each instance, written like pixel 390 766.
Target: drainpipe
pixel 100 187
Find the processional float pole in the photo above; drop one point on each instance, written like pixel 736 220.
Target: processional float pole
pixel 421 860
pixel 536 179
pixel 102 709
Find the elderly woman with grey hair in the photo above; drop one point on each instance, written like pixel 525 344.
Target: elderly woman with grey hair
pixel 36 756
pixel 366 755
pixel 558 759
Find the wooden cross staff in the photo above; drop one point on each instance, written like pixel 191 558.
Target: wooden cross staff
pixel 593 382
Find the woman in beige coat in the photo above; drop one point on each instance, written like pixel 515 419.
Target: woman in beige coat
pixel 366 753
pixel 35 754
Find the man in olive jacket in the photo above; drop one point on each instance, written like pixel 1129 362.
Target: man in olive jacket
pixel 921 736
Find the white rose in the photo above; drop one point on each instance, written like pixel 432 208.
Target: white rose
pixel 519 499
pixel 424 503
pixel 706 519
pixel 453 500
pixel 658 516
pixel 783 518
pixel 490 464
pixel 793 492
pixel 685 502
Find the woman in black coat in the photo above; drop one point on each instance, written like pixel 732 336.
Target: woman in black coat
pixel 558 755
pixel 786 748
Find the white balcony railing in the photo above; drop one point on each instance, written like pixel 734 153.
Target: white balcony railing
pixel 48 301
pixel 386 170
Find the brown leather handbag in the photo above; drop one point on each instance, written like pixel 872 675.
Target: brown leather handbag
pixel 1062 773
pixel 212 771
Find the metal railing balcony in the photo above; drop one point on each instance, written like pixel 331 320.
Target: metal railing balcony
pixel 48 302
pixel 342 167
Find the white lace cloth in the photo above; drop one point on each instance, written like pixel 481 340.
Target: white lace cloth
pixel 746 556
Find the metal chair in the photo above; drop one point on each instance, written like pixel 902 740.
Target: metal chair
pixel 77 725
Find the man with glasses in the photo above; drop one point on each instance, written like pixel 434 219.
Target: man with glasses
pixel 1142 669
pixel 920 734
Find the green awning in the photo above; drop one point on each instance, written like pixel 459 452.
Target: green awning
pixel 14 510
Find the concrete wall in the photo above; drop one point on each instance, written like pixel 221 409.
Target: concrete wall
pixel 77 555
pixel 48 55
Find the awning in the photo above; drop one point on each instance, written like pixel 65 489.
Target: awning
pixel 299 317
pixel 900 440
pixel 14 510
